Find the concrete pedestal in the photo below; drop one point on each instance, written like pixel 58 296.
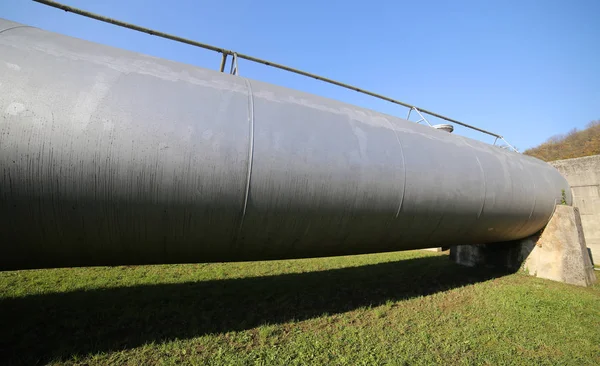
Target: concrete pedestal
pixel 558 254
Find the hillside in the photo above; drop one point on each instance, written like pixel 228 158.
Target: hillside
pixel 574 144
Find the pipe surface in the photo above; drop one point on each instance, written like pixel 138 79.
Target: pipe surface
pixel 111 157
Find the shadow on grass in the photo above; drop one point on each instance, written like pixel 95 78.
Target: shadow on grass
pixel 39 328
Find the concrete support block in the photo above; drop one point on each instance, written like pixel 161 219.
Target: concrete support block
pixel 558 254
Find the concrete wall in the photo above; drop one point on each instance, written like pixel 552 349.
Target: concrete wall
pixel 583 175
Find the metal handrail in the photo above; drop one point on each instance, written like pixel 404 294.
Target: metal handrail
pixel 236 55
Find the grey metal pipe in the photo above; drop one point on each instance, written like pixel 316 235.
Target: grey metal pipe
pixel 112 157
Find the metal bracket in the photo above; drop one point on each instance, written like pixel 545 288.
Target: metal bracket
pixel 507 144
pixel 420 115
pixel 234 65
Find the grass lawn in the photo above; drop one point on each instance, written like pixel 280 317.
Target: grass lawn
pixel 393 308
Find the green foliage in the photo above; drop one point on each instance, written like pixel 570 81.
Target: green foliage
pixel 574 144
pixel 563 200
pixel 403 308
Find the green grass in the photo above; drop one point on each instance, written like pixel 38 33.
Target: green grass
pixel 394 308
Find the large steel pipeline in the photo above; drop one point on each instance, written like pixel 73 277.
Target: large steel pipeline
pixel 112 157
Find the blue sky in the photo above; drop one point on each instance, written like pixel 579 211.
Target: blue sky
pixel 527 69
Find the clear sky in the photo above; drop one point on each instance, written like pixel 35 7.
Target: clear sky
pixel 527 69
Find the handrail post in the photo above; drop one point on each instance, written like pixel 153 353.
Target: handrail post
pixel 223 61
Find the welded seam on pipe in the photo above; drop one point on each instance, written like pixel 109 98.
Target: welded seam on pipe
pixel 484 186
pixel 534 196
pixel 15 27
pixel 437 227
pixel 403 167
pixel 482 175
pixel 250 147
pixel 525 222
